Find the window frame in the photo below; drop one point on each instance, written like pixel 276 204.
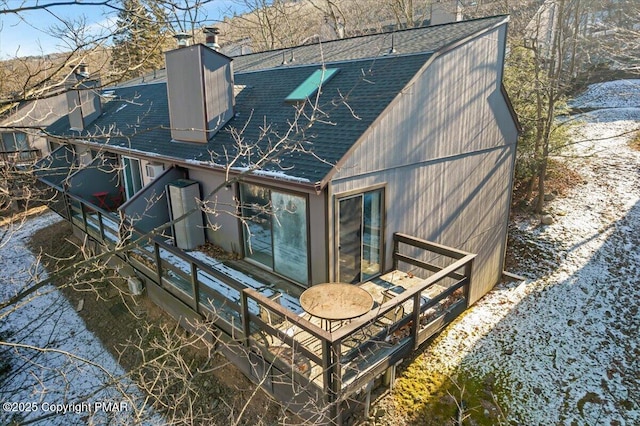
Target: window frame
pixel 242 226
pixel 24 153
pixel 124 177
pixel 338 197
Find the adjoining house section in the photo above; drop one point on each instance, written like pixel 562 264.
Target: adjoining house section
pixel 382 161
pixel 22 143
pixel 21 139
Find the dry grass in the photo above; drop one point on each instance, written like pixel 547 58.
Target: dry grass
pixel 17 217
pixel 634 143
pixel 423 396
pixel 560 180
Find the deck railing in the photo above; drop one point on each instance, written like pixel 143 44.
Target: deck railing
pixel 93 220
pixel 334 364
pixel 21 156
pixel 352 356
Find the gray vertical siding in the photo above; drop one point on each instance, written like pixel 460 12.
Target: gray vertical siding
pixel 318 238
pixel 218 86
pixel 200 94
pixel 445 151
pixel 148 208
pixel 222 225
pixel 228 235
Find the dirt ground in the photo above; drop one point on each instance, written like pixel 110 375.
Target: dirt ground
pixel 218 391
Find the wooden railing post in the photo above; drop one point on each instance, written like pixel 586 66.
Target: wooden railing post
pixel 156 249
pixel 244 309
pixel 468 269
pixel 336 381
pixel 67 204
pixel 395 251
pixel 327 371
pixel 195 287
pixel 336 352
pixel 84 217
pixel 416 320
pixel 100 225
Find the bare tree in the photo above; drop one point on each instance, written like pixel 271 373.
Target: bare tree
pixel 168 379
pixel 557 46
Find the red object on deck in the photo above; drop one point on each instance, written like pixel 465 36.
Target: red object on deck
pixel 101 199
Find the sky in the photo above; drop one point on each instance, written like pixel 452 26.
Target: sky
pixel 28 33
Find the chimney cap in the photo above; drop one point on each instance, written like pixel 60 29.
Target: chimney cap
pixel 211 30
pixel 211 37
pixel 182 39
pixel 81 69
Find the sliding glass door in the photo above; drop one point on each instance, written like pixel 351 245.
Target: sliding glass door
pixel 275 230
pixel 132 176
pixel 360 236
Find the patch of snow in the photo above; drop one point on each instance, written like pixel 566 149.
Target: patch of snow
pixel 276 174
pixel 286 300
pixel 71 367
pixel 564 345
pixel 626 93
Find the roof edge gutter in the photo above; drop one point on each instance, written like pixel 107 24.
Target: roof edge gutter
pixel 191 164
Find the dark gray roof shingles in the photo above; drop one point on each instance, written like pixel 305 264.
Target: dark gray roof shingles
pixel 408 41
pixel 138 117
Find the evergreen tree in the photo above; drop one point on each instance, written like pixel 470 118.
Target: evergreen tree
pixel 139 39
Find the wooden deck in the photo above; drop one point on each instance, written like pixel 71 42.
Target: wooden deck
pixel 373 338
pixel 427 288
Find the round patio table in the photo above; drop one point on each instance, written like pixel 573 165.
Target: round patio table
pixel 336 301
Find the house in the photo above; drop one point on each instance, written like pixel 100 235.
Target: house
pixel 384 161
pixel 22 142
pixel 21 125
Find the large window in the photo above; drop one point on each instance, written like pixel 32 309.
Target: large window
pixel 360 236
pixel 275 230
pixel 16 142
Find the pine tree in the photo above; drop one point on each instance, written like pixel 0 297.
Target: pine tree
pixel 138 40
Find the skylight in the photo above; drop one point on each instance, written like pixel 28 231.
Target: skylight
pixel 310 86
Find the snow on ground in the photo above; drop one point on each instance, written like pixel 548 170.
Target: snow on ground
pixel 43 384
pixel 564 345
pixel 599 95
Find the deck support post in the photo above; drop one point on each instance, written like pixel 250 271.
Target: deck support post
pixel 367 400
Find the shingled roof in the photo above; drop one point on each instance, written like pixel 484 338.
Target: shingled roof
pixel 136 118
pixel 407 41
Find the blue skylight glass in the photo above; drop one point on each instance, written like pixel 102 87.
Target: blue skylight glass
pixel 310 86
